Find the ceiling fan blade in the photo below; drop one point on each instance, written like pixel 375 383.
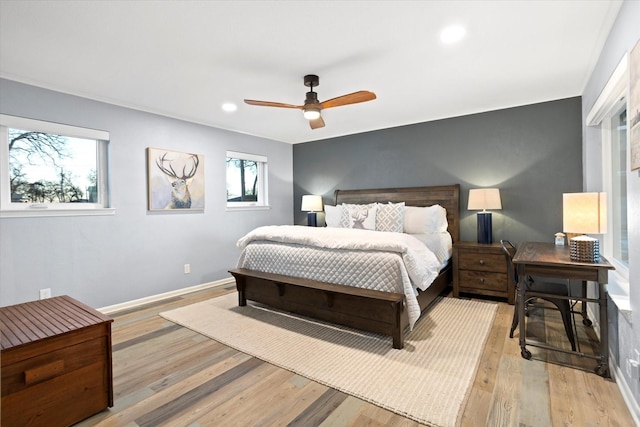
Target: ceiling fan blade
pixel 271 104
pixel 317 123
pixel 352 98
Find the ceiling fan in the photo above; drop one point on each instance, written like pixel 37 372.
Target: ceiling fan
pixel 312 107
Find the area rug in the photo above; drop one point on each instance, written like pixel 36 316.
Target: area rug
pixel 428 381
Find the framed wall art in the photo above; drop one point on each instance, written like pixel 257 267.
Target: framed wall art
pixel 175 180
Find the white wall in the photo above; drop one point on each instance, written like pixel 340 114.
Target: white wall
pixel 107 260
pixel 624 35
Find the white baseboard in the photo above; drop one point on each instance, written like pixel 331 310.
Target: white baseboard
pixel 617 375
pixel 158 297
pixel 627 395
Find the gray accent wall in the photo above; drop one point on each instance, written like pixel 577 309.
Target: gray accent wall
pixel 532 153
pixel 106 260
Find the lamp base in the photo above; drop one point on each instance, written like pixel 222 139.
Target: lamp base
pixel 584 249
pixel 312 219
pixel 484 228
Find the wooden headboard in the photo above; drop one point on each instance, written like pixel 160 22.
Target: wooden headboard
pixel 447 196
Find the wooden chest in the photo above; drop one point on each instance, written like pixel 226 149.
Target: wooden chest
pixel 56 362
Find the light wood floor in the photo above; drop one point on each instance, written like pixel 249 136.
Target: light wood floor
pixel 165 374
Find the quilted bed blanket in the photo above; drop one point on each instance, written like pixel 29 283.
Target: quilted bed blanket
pixel 393 262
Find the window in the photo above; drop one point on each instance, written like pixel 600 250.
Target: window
pixel 615 143
pixel 52 169
pixel 609 112
pixel 246 180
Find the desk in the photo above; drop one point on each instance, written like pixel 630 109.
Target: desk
pixel 549 260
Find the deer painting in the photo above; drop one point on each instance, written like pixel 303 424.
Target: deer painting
pixel 180 180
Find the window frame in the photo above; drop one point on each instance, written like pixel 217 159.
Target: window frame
pixel 262 186
pixel 613 97
pixel 12 209
pixel 609 149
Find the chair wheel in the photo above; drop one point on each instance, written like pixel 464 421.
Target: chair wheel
pixel 587 322
pixel 526 354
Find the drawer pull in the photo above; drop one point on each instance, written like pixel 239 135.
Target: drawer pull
pixel 481 262
pixel 482 280
pixel 44 372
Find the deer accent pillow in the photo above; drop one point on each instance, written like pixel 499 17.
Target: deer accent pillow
pixel 359 216
pixel 390 217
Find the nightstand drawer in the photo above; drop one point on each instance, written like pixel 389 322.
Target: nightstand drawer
pixel 481 280
pixel 482 262
pixel 481 269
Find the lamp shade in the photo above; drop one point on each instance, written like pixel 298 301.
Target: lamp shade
pixel 584 213
pixel 484 198
pixel 311 203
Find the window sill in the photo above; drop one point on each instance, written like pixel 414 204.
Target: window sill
pixel 621 301
pixel 248 208
pixel 618 291
pixel 38 213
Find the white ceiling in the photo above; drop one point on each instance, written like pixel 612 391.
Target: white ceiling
pixel 184 59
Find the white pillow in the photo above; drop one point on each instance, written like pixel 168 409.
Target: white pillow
pixel 439 243
pixel 332 215
pixel 430 219
pixel 390 217
pixel 359 216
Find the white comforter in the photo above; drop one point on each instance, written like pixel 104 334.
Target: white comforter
pixel 422 265
pixel 417 265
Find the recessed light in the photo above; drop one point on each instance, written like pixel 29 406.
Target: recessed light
pixel 229 107
pixel 452 34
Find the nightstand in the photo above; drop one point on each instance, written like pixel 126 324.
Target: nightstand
pixel 481 269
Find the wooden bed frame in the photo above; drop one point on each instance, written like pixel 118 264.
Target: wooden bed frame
pixel 374 311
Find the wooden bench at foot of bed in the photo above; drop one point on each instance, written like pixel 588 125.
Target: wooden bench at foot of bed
pixel 366 309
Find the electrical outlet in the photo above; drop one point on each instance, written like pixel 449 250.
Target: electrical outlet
pixel 633 369
pixel 187 268
pixel 45 293
pixel 633 366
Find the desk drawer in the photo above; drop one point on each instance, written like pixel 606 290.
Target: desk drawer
pixel 482 262
pixel 482 280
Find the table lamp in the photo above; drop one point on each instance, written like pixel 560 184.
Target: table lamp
pixel 584 213
pixel 311 204
pixel 483 199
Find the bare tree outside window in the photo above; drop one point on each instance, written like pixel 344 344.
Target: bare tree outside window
pixel 49 168
pixel 242 180
pixel 247 181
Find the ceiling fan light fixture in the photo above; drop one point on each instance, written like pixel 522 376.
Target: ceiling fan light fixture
pixel 311 113
pixel 312 108
pixel 229 107
pixel 452 34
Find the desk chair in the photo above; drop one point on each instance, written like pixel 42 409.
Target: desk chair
pixel 560 289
